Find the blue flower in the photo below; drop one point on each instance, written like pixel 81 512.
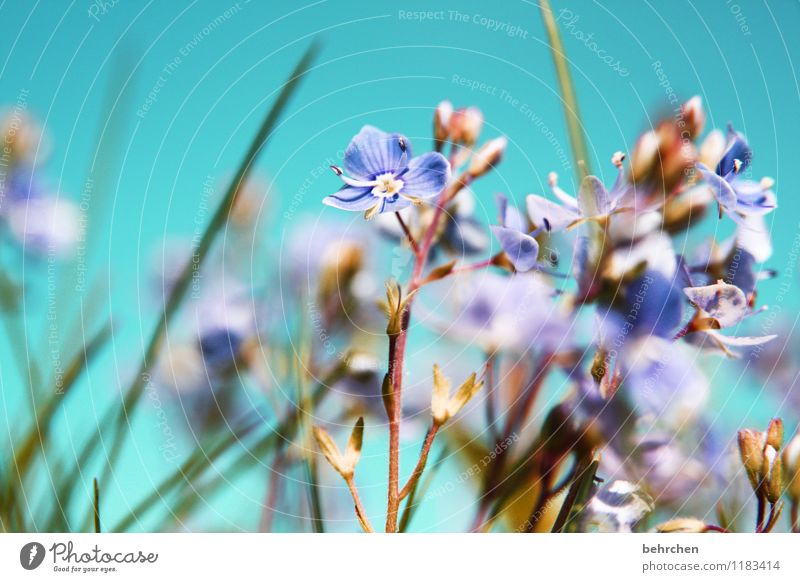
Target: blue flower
pixel 383 175
pixel 516 313
pixel 594 203
pixel 721 306
pixel 737 196
pixel 520 246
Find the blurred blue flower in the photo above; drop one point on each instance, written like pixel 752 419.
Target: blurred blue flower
pixel 651 305
pixel 516 313
pixel 225 318
pixel 594 201
pixel 736 195
pixel 384 179
pixel 522 248
pixel 721 306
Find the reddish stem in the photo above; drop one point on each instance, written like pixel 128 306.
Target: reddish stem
pixel 408 234
pixel 397 350
pixel 360 513
pixel 474 266
pixel 423 459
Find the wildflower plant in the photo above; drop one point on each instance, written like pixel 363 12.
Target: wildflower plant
pixel 622 321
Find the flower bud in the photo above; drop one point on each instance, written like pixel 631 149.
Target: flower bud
pixel 338 267
pixel 712 149
pixel 791 468
pixel 772 474
pixel 751 451
pixel 487 156
pixel 775 434
pixel 443 406
pixel 441 121
pixel 466 125
pixel 352 452
pixel 682 525
pixel 693 117
pixel 661 159
pixel 440 396
pixel 344 464
pixel 395 307
pixel 23 138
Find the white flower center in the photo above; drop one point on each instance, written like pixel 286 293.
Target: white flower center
pixel 386 186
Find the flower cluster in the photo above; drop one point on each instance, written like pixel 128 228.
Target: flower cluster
pixel 636 412
pixel 37 220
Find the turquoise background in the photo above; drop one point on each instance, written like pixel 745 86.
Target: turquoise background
pixel 376 66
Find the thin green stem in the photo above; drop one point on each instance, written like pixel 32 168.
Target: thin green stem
pixel 577 138
pixel 96 505
pixel 120 418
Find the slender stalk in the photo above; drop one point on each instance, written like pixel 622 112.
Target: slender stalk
pixel 423 459
pixel 304 413
pixel 515 417
pixel 420 486
pixel 476 266
pixel 360 513
pixel 795 518
pixel 491 397
pixel 397 349
pixel 272 495
pixel 760 511
pixel 120 419
pixel 407 232
pixel 96 507
pixel 578 490
pixel 577 138
pixel 38 433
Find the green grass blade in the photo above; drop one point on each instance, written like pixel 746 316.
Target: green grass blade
pixel 119 417
pixel 577 137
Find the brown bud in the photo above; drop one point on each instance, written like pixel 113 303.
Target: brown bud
pixel 395 306
pixel 441 121
pixel 344 464
pixel 487 156
pixel 751 451
pixel 661 159
pixel 791 468
pixel 772 474
pixel 339 266
pixel 444 406
pixel 775 433
pixel 466 125
pixel 693 117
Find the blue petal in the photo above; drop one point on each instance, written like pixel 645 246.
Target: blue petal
pixel 547 214
pixel 466 236
pixel 724 302
pixel 737 149
pixel 353 199
pixel 720 187
pixel 510 217
pixel 394 204
pixel 753 198
pixel 593 189
pixel 373 152
pixel 502 207
pixel 654 305
pixel 426 176
pixel 522 249
pixel 580 261
pixel 220 348
pixel 741 268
